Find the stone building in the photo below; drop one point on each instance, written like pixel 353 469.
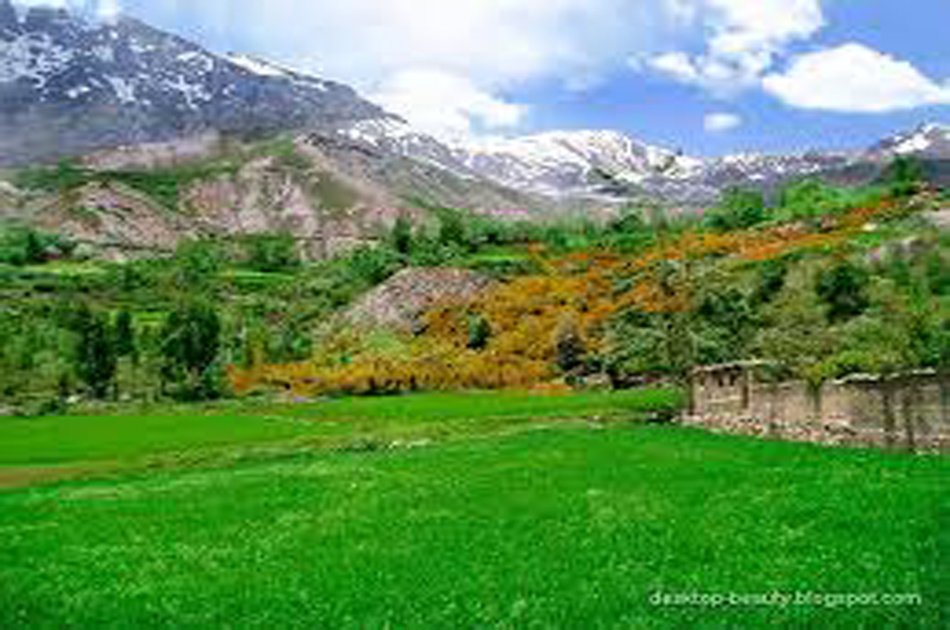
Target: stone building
pixel 909 410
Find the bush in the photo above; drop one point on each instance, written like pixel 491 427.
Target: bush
pixel 843 290
pixel 479 332
pixel 372 265
pixel 270 253
pixel 739 209
pixel 26 246
pixel 569 347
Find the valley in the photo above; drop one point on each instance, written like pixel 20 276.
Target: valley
pixel 274 355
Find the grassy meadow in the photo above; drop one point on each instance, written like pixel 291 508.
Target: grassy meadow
pixel 454 510
pixel 55 446
pixel 154 473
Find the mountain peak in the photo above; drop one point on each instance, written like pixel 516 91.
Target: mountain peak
pixel 69 85
pixel 928 139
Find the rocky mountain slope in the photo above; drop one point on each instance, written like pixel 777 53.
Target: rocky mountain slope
pixel 69 85
pixel 173 141
pixel 610 165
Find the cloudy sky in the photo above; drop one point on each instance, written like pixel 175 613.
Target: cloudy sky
pixel 709 76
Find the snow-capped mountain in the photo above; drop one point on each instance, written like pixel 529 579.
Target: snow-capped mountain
pixel 69 84
pixel 929 141
pixel 609 164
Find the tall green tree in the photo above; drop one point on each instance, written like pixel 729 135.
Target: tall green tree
pixel 96 359
pixel 401 236
pixel 191 341
pixel 125 342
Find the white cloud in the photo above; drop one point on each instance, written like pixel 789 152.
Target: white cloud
pixel 446 105
pixel 498 46
pixel 677 65
pixel 492 42
pixel 742 40
pixel 107 10
pixel 720 122
pixel 55 4
pixel 854 78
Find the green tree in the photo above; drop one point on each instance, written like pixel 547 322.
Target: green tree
pixel 479 332
pixel 904 176
pixel 191 341
pixel 452 229
pixel 125 344
pixel 636 346
pixel 795 333
pixel 769 282
pixel 843 290
pixel 95 352
pixel 197 264
pixel 722 326
pixel 401 236
pixel 34 248
pixel 372 265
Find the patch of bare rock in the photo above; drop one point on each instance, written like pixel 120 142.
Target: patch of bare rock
pixel 400 302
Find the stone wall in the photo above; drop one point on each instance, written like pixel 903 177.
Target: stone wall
pixel 910 411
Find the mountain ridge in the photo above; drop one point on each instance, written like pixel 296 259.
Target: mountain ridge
pixel 70 87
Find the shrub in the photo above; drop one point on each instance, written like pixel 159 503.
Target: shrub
pixel 271 253
pixel 569 347
pixel 739 209
pixel 372 265
pixel 843 290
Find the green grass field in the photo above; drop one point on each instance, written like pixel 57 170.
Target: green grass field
pixel 44 446
pixel 517 521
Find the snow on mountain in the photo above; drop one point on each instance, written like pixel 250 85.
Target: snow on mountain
pixel 256 66
pixel 69 84
pixel 560 163
pixel 608 164
pixel 573 159
pixel 591 163
pixel 929 140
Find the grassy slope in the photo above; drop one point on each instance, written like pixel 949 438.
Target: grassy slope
pixel 128 437
pixel 567 528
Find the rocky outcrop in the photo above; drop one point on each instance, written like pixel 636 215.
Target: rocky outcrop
pixel 154 155
pixel 400 302
pixel 113 221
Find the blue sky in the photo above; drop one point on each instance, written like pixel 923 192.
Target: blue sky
pixel 708 76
